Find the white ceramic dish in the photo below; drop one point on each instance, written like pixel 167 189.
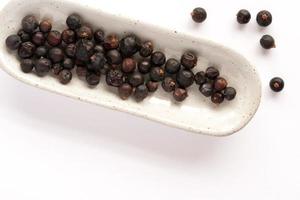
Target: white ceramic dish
pixel 196 114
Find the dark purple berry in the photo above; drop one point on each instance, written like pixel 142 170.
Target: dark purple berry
pixel 25 37
pixel 172 66
pixel 229 93
pixel 105 69
pixel 129 45
pixel 125 90
pixel 56 55
pixel 168 84
pixel 29 23
pixel 146 49
pixel 220 84
pixel 200 78
pixel 13 42
pixel 97 62
pixel 199 15
pixel 189 60
pixel 212 73
pixel 185 78
pixel 65 76
pixel 114 78
pixel 114 57
pixel 54 38
pixel 128 65
pixel 74 21
pixel 152 86
pixel 217 98
pixel 70 50
pixel 267 42
pixel 27 65
pixel 38 38
pixel 99 36
pixel 180 94
pixel 99 49
pixel 85 32
pixel 41 51
pixel 81 71
pixel 264 18
pixel 136 79
pixel 42 66
pixel 68 36
pixel 140 93
pixel 56 68
pixel 158 58
pixel 26 50
pixel 243 16
pixel 157 74
pixel 206 89
pixel 144 66
pixel 111 42
pixel 92 79
pixel 84 50
pixel 45 26
pixel 277 84
pixel 68 63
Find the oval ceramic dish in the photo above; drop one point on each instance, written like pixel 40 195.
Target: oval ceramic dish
pixel 196 113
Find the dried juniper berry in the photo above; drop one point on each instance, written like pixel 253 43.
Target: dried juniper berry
pixel 114 78
pixel 220 84
pixel 217 97
pixel 158 58
pixel 189 60
pixel 185 78
pixel 157 74
pixel 144 66
pixel 56 68
pixel 125 90
pixel 81 71
pixel 264 18
pixel 26 50
pixel 199 15
pixel 85 32
pixel 128 65
pixel 229 93
pixel 74 21
pixel 56 54
pixel 243 16
pixel 45 26
pixel 29 23
pixel 65 76
pixel 97 62
pixel 111 42
pixel 129 45
pixel 38 38
pixel 206 89
pixel 180 94
pixel 42 66
pixel 41 51
pixel 136 79
pixel 172 66
pixel 146 49
pixel 84 50
pixel 68 36
pixel 25 37
pixel 54 38
pixel 140 93
pixel 267 42
pixel 200 78
pixel 212 73
pixel 27 65
pixel 105 69
pixel 99 49
pixel 99 36
pixel 13 42
pixel 92 78
pixel 114 57
pixel 168 84
pixel 70 50
pixel 276 84
pixel 68 63
pixel 152 86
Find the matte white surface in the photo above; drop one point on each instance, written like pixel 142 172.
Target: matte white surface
pixel 52 147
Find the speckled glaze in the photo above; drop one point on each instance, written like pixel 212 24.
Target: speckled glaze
pixel 196 114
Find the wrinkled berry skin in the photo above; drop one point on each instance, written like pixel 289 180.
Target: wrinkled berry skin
pixel 114 57
pixel 172 66
pixel 68 63
pixel 56 55
pixel 152 86
pixel 217 98
pixel 68 36
pixel 140 93
pixel 125 90
pixel 13 42
pixel 264 18
pixel 267 42
pixel 54 38
pixel 111 42
pixel 25 37
pixel 85 32
pixel 43 66
pixel 128 65
pixel 189 60
pixel 129 45
pixel 146 49
pixel 99 36
pixel 97 62
pixel 74 21
pixel 212 73
pixel 180 94
pixel 144 66
pixel 206 89
pixel 26 50
pixel 84 50
pixel 92 79
pixel 168 84
pixel 185 78
pixel 29 23
pixel 81 71
pixel 229 93
pixel 65 76
pixel 157 74
pixel 41 51
pixel 45 26
pixel 277 84
pixel 114 78
pixel 38 38
pixel 99 49
pixel 56 68
pixel 243 16
pixel 200 78
pixel 70 50
pixel 158 58
pixel 199 15
pixel 136 79
pixel 27 65
pixel 220 84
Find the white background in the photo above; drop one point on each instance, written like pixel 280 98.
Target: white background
pixel 52 147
